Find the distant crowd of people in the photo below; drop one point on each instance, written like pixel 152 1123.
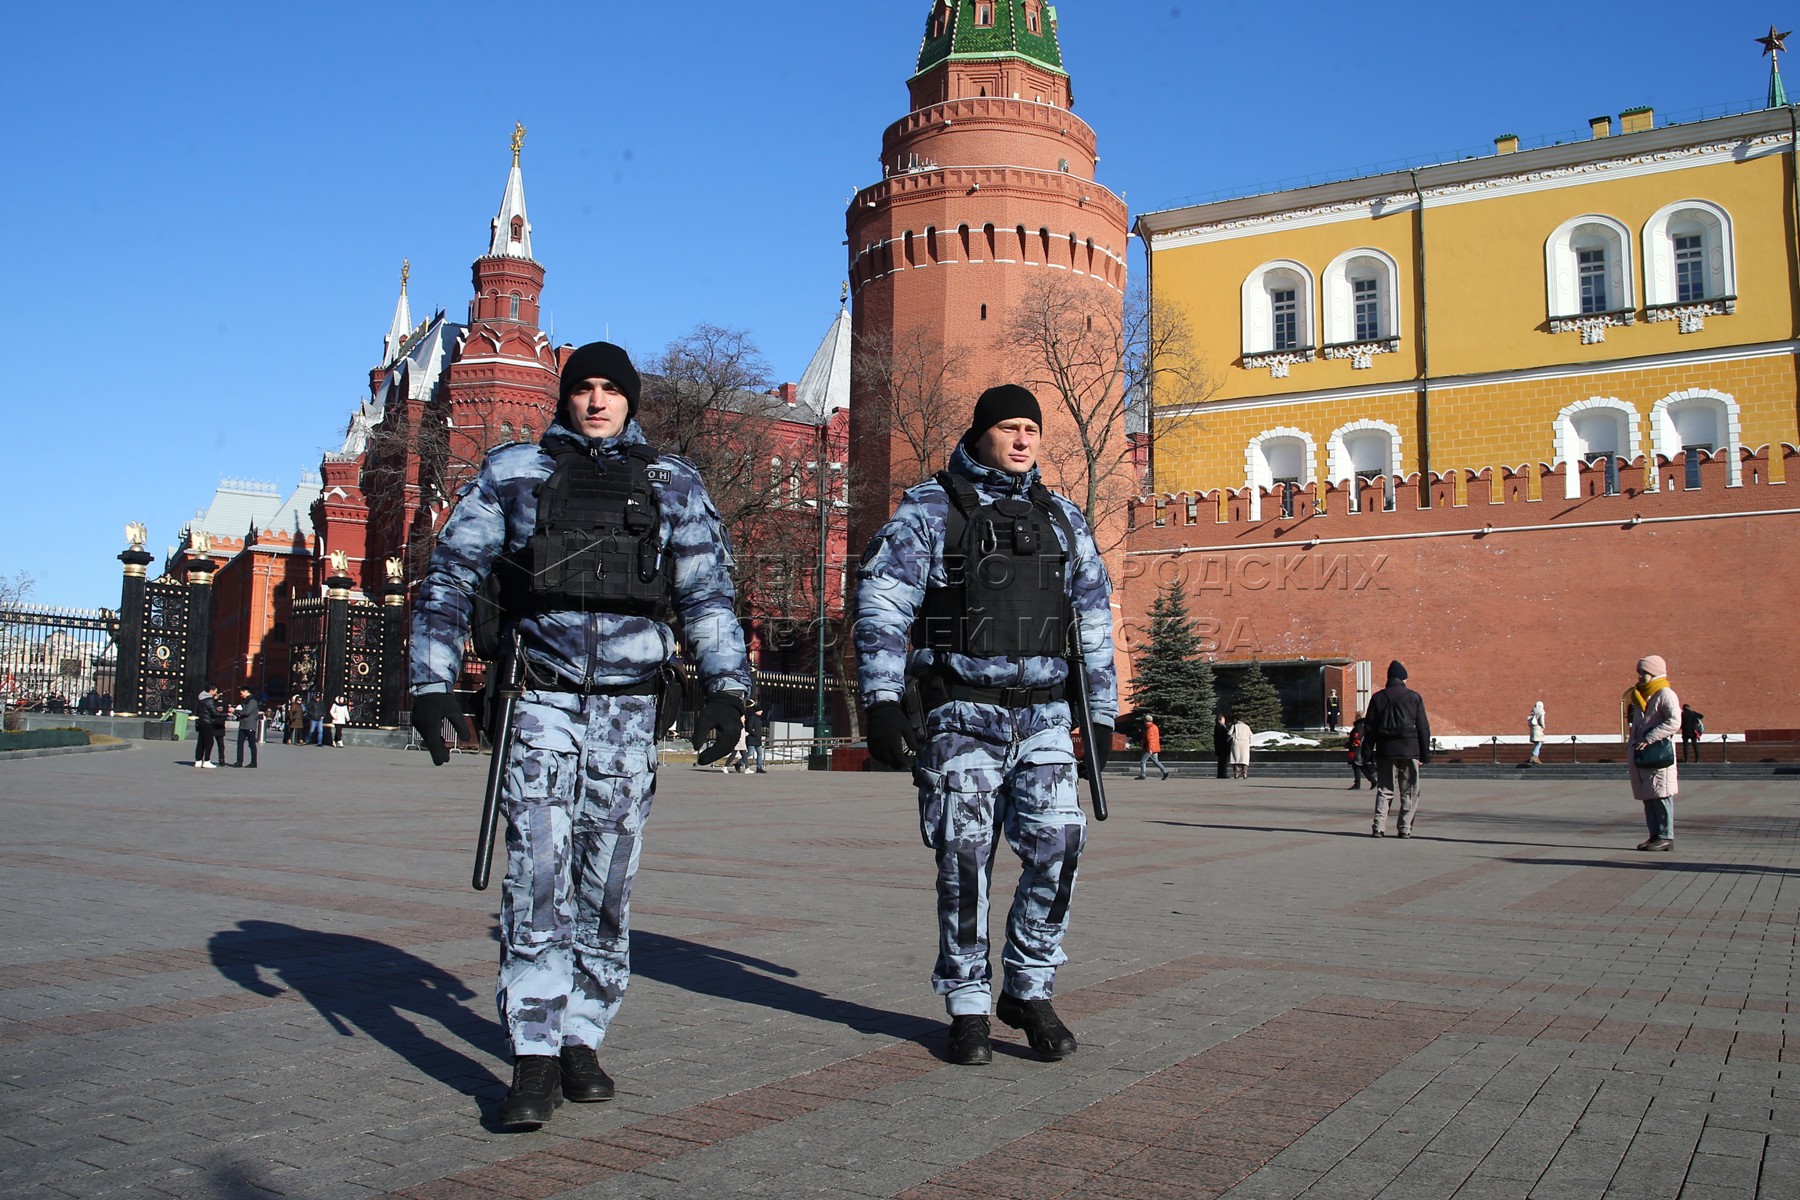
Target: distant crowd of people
pixel 304 720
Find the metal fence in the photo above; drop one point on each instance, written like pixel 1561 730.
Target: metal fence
pixel 58 659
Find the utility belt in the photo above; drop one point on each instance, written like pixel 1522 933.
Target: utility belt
pixel 538 679
pixel 935 690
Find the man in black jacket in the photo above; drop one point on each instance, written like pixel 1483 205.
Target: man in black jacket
pixel 1401 739
pixel 249 718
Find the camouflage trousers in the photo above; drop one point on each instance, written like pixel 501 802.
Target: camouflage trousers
pixel 580 777
pixel 972 791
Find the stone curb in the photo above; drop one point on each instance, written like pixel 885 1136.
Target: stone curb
pixel 51 751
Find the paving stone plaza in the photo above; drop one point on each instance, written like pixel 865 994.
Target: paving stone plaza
pixel 240 984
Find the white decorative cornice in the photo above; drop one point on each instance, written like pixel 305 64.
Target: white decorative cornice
pixel 1592 326
pixel 1278 361
pixel 1361 354
pixel 1693 314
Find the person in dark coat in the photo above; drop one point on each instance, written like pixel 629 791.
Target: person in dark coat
pixel 1222 745
pixel 249 718
pixel 208 724
pixel 1356 751
pixel 1396 727
pixel 753 740
pixel 1693 725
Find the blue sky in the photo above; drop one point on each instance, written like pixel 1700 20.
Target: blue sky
pixel 211 202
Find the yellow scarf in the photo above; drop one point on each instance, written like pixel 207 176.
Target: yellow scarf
pixel 1639 697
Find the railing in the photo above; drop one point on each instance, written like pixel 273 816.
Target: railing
pixel 58 659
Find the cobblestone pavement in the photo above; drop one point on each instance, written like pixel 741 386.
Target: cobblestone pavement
pixel 229 984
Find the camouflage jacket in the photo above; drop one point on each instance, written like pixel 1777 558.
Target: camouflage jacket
pixel 498 511
pixel 907 555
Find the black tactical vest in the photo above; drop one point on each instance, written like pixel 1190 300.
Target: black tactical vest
pixel 597 545
pixel 1006 594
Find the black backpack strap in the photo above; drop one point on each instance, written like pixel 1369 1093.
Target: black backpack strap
pixel 965 502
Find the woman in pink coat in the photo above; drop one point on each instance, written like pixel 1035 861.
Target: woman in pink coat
pixel 1654 712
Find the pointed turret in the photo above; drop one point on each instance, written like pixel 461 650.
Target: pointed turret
pixel 1007 48
pixel 512 231
pixel 402 326
pixel 1773 45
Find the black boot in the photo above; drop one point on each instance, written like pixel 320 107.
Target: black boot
pixel 532 1097
pixel 1046 1033
pixel 583 1082
pixel 969 1045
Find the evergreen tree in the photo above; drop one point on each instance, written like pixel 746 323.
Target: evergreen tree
pixel 1258 705
pixel 1173 683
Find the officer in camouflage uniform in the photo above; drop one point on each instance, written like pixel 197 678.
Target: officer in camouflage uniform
pixel 600 543
pixel 968 592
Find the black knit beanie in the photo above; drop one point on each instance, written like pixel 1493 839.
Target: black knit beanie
pixel 1003 403
pixel 1396 670
pixel 607 361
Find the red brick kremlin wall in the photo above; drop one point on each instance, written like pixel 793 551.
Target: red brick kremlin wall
pixel 1493 599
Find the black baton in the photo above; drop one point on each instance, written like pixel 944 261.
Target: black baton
pixel 509 682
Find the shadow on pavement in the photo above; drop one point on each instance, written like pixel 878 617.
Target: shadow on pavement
pixel 1662 862
pixel 710 971
pixel 371 986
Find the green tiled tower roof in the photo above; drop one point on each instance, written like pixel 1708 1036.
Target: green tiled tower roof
pixel 1007 37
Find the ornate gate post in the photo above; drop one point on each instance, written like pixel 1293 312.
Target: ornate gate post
pixel 128 687
pixel 337 625
pixel 393 642
pixel 199 622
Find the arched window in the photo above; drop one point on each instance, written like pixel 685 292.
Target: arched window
pixel 775 479
pixel 1278 458
pixel 1690 259
pixel 1033 22
pixel 506 431
pixel 993 249
pixel 1278 312
pixel 984 13
pixel 1588 276
pixel 527 434
pixel 1697 419
pixel 518 229
pixel 1361 453
pixel 512 310
pixel 1361 292
pixel 1599 430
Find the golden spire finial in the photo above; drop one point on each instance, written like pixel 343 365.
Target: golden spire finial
pixel 844 294
pixel 518 140
pixel 405 272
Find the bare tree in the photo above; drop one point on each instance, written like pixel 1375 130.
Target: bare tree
pixel 1090 360
pixel 15 589
pixel 916 383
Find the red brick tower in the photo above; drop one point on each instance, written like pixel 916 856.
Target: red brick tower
pixel 501 385
pixel 987 186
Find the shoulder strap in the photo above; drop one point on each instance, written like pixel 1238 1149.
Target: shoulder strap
pixel 965 502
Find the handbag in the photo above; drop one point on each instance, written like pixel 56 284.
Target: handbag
pixel 1656 755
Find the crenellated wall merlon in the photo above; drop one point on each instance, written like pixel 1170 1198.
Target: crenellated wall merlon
pixel 1528 494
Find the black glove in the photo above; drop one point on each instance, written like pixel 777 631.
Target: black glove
pixel 429 712
pixel 1102 747
pixel 720 721
pixel 892 740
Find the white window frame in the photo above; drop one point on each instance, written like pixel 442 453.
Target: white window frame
pixel 1665 438
pixel 1341 468
pixel 1568 455
pixel 1258 323
pixel 1562 275
pixel 1364 262
pixel 1718 251
pixel 1258 476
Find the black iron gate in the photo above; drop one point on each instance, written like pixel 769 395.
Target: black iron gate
pixel 306 646
pixel 163 660
pixel 363 663
pixel 58 659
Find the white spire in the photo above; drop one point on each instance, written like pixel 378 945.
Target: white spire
pixel 402 326
pixel 512 232
pixel 825 386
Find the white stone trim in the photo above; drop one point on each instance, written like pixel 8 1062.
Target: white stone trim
pixel 1566 438
pixel 1338 306
pixel 1258 476
pixel 1562 279
pixel 1665 438
pixel 1257 325
pixel 1717 245
pixel 1339 466
pixel 1362 354
pixel 1278 361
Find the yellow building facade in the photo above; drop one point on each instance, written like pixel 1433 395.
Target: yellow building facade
pixel 1617 299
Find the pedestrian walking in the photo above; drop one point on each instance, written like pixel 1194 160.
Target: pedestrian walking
pixel 753 739
pixel 340 717
pixel 1152 742
pixel 1401 737
pixel 295 729
pixel 995 757
pixel 1693 728
pixel 249 719
pixel 1653 718
pixel 568 525
pixel 1356 753
pixel 1534 729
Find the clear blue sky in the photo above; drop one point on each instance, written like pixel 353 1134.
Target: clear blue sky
pixel 210 202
